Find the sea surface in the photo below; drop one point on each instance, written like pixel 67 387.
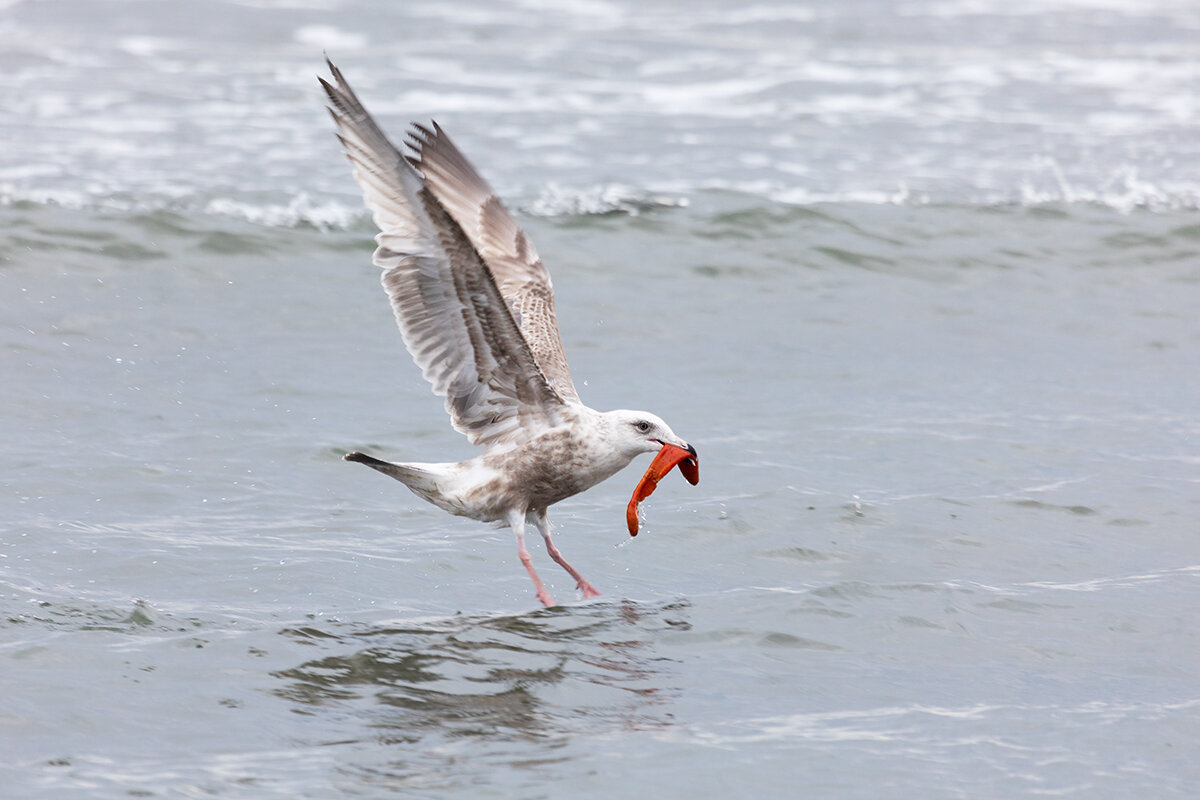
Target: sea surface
pixel 918 279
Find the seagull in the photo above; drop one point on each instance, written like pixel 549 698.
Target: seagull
pixel 475 307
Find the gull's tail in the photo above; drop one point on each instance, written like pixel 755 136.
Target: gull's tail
pixel 415 478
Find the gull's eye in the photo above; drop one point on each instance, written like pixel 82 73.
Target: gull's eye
pixel 643 426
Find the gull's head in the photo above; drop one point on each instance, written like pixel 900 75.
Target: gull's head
pixel 636 432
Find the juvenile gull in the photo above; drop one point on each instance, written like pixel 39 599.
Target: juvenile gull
pixel 475 307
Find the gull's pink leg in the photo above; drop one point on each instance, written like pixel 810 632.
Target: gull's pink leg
pixel 516 520
pixel 543 526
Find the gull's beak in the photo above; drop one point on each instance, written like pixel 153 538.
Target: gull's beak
pixel 682 445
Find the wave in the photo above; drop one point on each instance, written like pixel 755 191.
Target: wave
pixel 1124 192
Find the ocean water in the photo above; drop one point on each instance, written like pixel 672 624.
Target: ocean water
pixel 919 280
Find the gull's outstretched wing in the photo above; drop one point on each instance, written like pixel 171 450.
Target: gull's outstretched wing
pixel 522 278
pixel 453 318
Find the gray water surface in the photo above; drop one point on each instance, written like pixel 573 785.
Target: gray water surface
pixel 944 541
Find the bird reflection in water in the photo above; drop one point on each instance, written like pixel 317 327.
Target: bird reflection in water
pixel 534 676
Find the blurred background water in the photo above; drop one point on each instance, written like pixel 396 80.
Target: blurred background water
pixel 918 279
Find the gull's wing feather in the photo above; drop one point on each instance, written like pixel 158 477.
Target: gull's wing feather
pixel 520 275
pixel 451 314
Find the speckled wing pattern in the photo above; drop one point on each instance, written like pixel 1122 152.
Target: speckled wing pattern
pixel 450 311
pixel 520 275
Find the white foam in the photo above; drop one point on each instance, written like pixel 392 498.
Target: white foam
pixel 328 37
pixel 144 46
pixel 723 98
pixel 556 201
pixel 301 210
